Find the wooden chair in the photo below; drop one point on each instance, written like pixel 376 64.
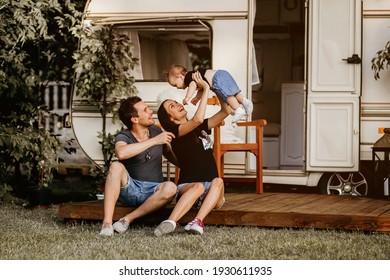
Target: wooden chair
pixel 255 148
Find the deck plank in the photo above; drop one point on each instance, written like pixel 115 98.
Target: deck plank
pixel 291 210
pixel 292 204
pixel 320 204
pixel 375 207
pixel 353 205
pixel 385 214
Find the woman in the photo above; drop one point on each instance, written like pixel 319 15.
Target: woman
pixel 198 181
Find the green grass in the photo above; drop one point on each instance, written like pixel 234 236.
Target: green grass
pixel 39 234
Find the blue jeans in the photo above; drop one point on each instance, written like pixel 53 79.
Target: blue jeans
pixel 224 85
pixel 135 192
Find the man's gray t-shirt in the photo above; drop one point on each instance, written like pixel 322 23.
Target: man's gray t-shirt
pixel 146 166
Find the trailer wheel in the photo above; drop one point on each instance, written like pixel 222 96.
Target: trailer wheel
pixel 354 184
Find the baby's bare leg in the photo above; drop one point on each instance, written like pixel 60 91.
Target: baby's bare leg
pixel 233 102
pixel 240 98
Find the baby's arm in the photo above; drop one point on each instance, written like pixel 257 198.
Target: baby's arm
pixel 190 91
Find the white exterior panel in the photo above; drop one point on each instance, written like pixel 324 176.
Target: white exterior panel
pixel 335 35
pixel 333 86
pixel 153 8
pixel 333 141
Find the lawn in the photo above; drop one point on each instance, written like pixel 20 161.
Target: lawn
pixel 39 234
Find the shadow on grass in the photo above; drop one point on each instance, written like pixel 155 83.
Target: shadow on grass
pixel 72 188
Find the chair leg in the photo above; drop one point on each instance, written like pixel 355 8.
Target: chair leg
pixel 222 161
pixel 177 173
pixel 219 162
pixel 259 174
pixel 259 160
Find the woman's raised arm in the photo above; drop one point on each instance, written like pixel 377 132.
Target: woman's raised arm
pixel 220 115
pixel 200 113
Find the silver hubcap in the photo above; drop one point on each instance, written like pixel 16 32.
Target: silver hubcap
pixel 347 184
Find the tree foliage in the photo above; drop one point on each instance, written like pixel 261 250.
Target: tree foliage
pixel 103 66
pixel 103 74
pixel 36 46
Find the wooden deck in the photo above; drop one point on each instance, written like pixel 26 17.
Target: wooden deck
pixel 291 210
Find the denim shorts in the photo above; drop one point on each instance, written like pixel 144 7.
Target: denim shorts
pixel 198 203
pixel 135 192
pixel 224 85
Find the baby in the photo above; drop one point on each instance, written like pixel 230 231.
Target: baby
pixel 220 81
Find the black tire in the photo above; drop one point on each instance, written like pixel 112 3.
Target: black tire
pixel 343 183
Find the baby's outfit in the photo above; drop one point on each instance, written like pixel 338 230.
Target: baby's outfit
pixel 224 85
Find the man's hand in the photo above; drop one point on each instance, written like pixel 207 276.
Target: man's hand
pixel 164 138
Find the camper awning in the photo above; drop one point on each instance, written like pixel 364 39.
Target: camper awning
pixel 125 11
pixel 173 19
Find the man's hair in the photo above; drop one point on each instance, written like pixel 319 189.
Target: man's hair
pixel 127 110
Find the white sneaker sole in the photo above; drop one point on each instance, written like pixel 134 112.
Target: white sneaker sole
pixel 238 117
pixel 108 231
pixel 249 107
pixel 164 228
pixel 198 230
pixel 119 227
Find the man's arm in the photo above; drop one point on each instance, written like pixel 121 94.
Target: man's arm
pixel 126 151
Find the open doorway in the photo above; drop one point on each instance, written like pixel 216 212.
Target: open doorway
pixel 279 42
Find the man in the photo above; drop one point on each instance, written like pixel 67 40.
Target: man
pixel 137 179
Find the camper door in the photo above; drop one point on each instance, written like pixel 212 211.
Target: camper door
pixel 333 88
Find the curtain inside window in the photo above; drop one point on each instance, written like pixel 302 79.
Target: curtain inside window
pixel 158 55
pixel 136 52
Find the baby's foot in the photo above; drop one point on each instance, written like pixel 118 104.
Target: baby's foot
pixel 248 106
pixel 238 114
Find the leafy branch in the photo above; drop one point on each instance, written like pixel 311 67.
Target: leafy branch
pixel 381 61
pixel 103 75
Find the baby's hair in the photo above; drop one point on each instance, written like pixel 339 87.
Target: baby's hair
pixel 174 70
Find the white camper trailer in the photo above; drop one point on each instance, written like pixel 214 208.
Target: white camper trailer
pixel 306 64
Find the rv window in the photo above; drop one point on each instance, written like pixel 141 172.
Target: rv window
pixel 158 46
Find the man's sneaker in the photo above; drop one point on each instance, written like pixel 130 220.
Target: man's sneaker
pixel 238 114
pixel 195 226
pixel 165 227
pixel 121 226
pixel 248 106
pixel 107 230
